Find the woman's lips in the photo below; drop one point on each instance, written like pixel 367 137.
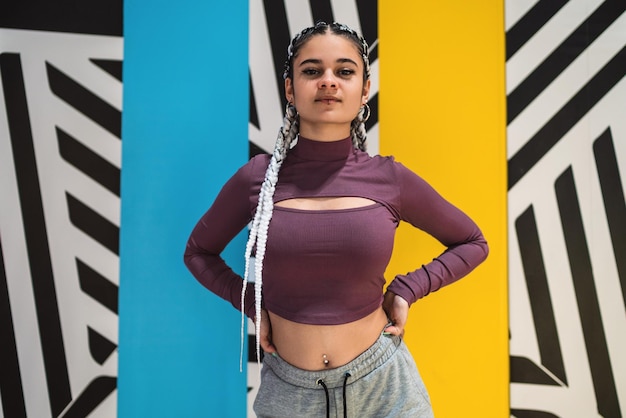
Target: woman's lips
pixel 328 100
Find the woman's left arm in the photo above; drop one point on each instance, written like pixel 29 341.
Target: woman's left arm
pixel 424 208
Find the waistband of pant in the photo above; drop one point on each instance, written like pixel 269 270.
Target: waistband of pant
pixel 372 358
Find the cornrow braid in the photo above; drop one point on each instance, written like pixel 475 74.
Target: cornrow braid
pixel 320 28
pixel 357 128
pixel 260 223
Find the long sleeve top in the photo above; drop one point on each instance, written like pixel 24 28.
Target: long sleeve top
pixel 327 266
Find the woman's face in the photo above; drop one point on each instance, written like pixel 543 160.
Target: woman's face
pixel 327 87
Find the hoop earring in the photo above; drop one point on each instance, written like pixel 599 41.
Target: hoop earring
pixel 366 112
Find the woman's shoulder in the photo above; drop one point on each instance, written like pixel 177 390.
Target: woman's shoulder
pixel 383 159
pixel 383 162
pixel 255 167
pixel 260 161
pixel 387 167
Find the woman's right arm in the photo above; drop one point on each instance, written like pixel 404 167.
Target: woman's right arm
pixel 227 216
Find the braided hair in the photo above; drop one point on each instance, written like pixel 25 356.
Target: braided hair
pixel 287 137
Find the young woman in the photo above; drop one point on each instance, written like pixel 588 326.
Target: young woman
pixel 323 215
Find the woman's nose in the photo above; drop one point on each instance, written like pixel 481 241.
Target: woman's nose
pixel 328 81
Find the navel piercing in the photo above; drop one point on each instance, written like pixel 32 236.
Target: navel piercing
pixel 326 362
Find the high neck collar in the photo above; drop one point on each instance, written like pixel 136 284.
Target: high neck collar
pixel 308 149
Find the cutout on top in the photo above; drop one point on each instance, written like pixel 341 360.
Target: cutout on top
pixel 325 203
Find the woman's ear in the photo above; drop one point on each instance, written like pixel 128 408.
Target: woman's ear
pixel 289 90
pixel 366 92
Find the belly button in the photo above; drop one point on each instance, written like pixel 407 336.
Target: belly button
pixel 326 361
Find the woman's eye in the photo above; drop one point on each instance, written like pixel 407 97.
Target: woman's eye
pixel 346 72
pixel 310 71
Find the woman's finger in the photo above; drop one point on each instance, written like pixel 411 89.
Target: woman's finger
pixel 394 330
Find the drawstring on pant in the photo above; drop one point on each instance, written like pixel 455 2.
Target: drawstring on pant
pixel 345 407
pixel 321 382
pixel 345 404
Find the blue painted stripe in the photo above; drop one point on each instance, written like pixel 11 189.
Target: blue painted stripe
pixel 184 132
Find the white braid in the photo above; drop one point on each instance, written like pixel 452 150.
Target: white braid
pixel 358 131
pixel 261 220
pixel 287 136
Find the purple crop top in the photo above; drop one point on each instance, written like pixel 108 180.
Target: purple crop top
pixel 327 267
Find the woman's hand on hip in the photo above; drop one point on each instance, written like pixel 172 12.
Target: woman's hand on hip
pixel 265 337
pixel 397 310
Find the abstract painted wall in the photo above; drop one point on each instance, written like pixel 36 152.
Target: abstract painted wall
pixel 512 110
pixel 60 130
pixel 566 95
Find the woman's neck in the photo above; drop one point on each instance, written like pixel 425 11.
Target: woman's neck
pixel 312 150
pixel 326 132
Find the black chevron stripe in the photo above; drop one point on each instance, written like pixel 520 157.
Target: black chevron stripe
pixel 614 202
pixel 93 395
pixel 563 56
pixel 524 370
pixel 252 349
pixel 98 17
pixel 278 29
pixel 97 286
pixel 373 52
pixel 113 67
pixel 44 290
pixel 526 413
pixel 254 149
pixel 321 10
pixel 539 294
pixel 84 101
pixel 253 116
pixel 87 161
pixel 586 296
pixel 93 224
pixel 368 18
pixel 530 23
pixel 577 107
pixel 11 390
pixel 100 347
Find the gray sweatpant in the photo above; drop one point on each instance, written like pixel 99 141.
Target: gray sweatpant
pixel 382 382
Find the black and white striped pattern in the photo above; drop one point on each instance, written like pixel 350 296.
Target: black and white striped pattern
pixel 566 100
pixel 60 151
pixel 273 23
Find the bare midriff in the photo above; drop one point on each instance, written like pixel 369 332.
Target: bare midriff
pixel 319 347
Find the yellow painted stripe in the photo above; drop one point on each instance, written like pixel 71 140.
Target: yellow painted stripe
pixel 442 113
